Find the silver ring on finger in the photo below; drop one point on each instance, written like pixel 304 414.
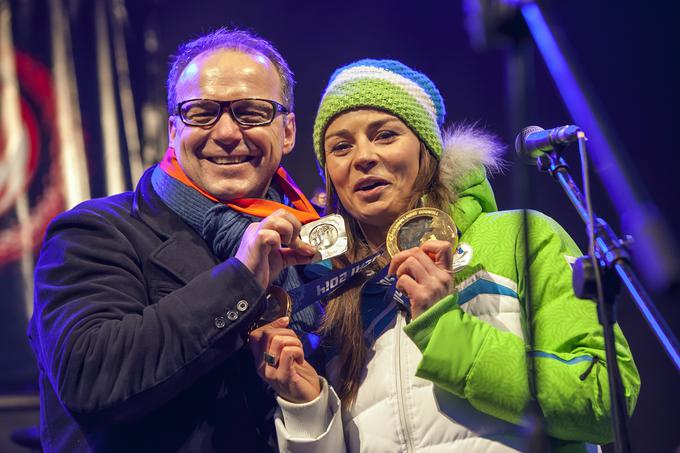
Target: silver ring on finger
pixel 270 359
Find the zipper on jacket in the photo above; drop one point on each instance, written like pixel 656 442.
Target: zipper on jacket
pixel 401 392
pixel 590 368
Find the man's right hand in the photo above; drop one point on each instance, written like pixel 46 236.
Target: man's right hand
pixel 267 247
pixel 287 371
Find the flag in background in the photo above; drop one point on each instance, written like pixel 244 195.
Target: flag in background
pixel 68 132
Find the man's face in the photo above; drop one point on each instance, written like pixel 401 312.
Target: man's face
pixel 227 160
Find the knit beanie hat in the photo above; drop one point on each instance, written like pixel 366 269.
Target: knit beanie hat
pixel 386 85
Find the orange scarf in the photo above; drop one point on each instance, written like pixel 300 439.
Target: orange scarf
pixel 257 207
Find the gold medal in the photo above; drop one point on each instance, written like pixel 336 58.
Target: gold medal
pixel 328 235
pixel 279 304
pixel 416 226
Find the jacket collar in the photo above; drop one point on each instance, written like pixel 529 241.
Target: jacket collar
pixel 183 252
pixel 468 154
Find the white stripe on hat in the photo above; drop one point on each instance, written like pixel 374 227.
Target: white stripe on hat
pixel 373 72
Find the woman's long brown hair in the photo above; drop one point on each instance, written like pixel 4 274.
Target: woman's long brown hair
pixel 342 322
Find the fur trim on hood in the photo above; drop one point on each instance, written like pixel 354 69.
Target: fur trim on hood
pixel 466 149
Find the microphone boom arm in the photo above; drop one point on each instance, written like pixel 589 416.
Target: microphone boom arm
pixel 658 251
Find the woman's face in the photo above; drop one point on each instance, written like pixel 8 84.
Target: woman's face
pixel 372 159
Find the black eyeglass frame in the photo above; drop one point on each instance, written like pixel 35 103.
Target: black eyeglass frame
pixel 227 104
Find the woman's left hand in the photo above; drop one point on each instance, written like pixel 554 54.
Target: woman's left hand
pixel 424 274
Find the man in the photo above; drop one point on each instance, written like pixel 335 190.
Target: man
pixel 143 299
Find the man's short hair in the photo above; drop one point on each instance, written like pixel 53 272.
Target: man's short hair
pixel 224 38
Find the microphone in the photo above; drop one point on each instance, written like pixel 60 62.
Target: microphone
pixel 533 141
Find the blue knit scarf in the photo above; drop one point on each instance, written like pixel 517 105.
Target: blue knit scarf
pixel 220 226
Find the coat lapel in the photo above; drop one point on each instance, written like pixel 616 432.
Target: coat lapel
pixel 183 253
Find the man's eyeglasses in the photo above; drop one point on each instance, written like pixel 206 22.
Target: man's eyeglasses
pixel 246 112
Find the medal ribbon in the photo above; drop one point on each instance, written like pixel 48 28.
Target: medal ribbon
pixel 392 293
pixel 322 287
pixel 257 207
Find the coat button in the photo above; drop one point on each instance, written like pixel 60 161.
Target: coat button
pixel 220 322
pixel 232 315
pixel 242 305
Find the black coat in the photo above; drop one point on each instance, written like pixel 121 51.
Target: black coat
pixel 139 334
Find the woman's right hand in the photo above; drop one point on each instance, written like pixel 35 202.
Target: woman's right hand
pixel 286 371
pixel 424 274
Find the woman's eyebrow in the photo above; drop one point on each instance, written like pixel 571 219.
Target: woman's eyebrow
pixel 377 124
pixel 343 133
pixel 371 127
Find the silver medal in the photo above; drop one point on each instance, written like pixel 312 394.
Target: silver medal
pixel 328 235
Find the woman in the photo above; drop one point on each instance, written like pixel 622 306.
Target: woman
pixel 455 377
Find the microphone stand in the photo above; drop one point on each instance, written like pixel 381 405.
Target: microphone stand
pixel 656 251
pixel 612 260
pixel 494 22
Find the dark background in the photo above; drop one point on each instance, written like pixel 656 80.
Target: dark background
pixel 626 51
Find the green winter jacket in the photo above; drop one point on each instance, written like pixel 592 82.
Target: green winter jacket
pixel 473 340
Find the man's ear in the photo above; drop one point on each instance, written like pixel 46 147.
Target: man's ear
pixel 172 131
pixel 289 129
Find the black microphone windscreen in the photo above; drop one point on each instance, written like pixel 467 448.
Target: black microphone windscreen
pixel 520 141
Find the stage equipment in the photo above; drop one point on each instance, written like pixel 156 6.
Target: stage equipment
pixel 595 275
pixel 534 140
